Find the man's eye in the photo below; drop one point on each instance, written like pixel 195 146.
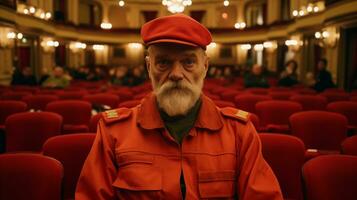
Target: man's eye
pixel 188 62
pixel 163 64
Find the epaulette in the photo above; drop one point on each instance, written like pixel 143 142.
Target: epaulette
pixel 241 115
pixel 115 115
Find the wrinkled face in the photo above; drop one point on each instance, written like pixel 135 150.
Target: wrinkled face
pixel 177 73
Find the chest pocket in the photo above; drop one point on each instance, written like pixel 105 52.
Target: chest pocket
pixel 137 177
pixel 217 184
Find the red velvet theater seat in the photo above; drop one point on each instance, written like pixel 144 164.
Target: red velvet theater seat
pixel 39 102
pixel 222 103
pixel 274 114
pixel 349 146
pixel 258 91
pixel 14 95
pixel 76 114
pixel 247 101
pixel 71 150
pixel 346 108
pixel 331 177
pixel 320 130
pixel 110 100
pixel 335 96
pixel 281 95
pixel 71 95
pixel 30 177
pixel 285 154
pixel 353 98
pixel 28 131
pixel 310 102
pixel 9 107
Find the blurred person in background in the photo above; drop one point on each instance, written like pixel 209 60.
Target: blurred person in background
pixel 289 76
pixel 58 79
pixel 23 77
pixel 256 78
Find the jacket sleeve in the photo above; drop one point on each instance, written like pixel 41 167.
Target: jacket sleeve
pixel 99 170
pixel 256 180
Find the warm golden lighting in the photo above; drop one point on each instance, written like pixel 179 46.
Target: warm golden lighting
pixel 48 15
pixel 98 47
pixel 258 47
pixel 212 45
pixel 291 42
pixel 317 35
pixel 295 13
pixel 106 25
pixel 20 36
pixel 135 45
pixel 11 35
pixel 176 6
pixel 226 3
pixel 121 3
pixel 32 10
pixel 245 46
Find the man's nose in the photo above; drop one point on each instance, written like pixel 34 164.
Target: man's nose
pixel 176 73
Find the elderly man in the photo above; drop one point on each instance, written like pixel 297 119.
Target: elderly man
pixel 177 144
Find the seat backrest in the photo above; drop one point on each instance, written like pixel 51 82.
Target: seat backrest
pixel 110 100
pixel 71 95
pixel 276 111
pixel 71 150
pixel 30 176
pixel 331 177
pixel 12 95
pixel 347 108
pixel 335 96
pixel 257 91
pixel 29 130
pixel 222 103
pixel 74 112
pixel 349 146
pixel 247 101
pixel 310 102
pixel 353 98
pixel 39 102
pixel 9 107
pixel 285 155
pixel 319 129
pixel 281 95
pixel 230 94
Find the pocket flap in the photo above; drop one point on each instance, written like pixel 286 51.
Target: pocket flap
pixel 208 176
pixel 138 177
pixel 126 159
pixel 216 184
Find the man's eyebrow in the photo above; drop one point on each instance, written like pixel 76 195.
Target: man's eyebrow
pixel 161 56
pixel 190 55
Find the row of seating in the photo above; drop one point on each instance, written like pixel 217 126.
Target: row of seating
pixel 40 176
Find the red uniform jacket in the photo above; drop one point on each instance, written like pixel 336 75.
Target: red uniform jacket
pixel 134 157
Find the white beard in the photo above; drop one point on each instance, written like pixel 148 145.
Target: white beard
pixel 177 98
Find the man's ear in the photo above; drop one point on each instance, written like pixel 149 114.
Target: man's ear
pixel 147 63
pixel 206 64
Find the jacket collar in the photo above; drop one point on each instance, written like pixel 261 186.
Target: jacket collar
pixel 149 117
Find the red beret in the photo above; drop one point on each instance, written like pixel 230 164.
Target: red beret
pixel 176 28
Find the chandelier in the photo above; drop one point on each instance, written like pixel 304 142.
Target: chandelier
pixel 176 6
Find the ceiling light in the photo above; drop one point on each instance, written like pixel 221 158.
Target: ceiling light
pixel 226 3
pixel 121 3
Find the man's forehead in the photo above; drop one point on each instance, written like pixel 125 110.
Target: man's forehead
pixel 174 49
